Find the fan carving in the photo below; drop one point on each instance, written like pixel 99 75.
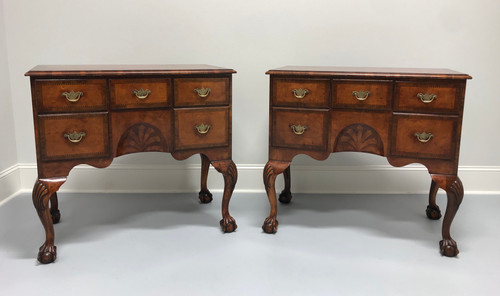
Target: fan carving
pixel 360 138
pixel 141 137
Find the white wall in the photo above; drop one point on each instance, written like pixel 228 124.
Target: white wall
pixel 254 36
pixel 8 155
pixel 9 177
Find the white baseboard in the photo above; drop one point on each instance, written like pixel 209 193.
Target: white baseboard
pixel 10 183
pixel 375 179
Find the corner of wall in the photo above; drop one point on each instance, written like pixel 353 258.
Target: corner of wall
pixel 9 172
pixel 10 183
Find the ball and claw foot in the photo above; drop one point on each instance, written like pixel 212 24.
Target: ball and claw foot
pixel 448 248
pixel 433 212
pixel 270 225
pixel 285 197
pixel 205 196
pixel 228 224
pixel 56 216
pixel 47 254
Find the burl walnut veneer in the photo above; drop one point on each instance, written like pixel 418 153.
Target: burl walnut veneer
pixel 91 114
pixel 406 115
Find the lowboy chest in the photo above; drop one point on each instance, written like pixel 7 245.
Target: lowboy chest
pixel 406 115
pixel 91 114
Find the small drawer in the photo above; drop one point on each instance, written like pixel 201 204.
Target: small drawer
pixel 430 136
pixel 303 93
pixel 201 92
pixel 301 129
pixel 362 94
pixel 70 95
pixel 140 93
pixel 361 131
pixel 201 128
pixel 73 136
pixel 438 97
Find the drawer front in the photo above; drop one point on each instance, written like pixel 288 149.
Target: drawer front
pixel 362 94
pixel 141 131
pixel 201 91
pixel 70 95
pixel 429 97
pixel 201 128
pixel 355 130
pixel 301 129
pixel 73 136
pixel 424 136
pixel 304 93
pixel 140 93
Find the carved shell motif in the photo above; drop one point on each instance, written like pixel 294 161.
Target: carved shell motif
pixel 359 137
pixel 141 137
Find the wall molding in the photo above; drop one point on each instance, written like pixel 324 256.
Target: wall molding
pixel 360 179
pixel 10 183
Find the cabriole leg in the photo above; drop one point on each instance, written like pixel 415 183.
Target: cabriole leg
pixel 433 212
pixel 43 191
pixel 286 194
pixel 204 195
pixel 455 193
pixel 228 169
pixel 271 171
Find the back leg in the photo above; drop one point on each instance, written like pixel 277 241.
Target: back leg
pixel 286 194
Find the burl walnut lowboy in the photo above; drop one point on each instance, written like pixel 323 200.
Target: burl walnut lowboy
pixel 406 115
pixel 91 114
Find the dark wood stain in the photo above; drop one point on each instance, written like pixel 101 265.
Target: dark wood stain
pixel 385 122
pixel 126 109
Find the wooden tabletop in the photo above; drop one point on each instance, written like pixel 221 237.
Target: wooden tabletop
pixel 100 70
pixel 369 72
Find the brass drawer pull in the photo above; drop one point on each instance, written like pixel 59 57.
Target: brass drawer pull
pixel 202 92
pixel 203 128
pixel 427 97
pixel 73 96
pixel 300 93
pixel 423 137
pixel 361 95
pixel 75 136
pixel 141 93
pixel 298 129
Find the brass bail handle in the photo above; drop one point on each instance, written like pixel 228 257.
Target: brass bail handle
pixel 424 137
pixel 72 96
pixel 427 97
pixel 202 92
pixel 202 128
pixel 298 129
pixel 75 136
pixel 300 93
pixel 141 94
pixel 361 95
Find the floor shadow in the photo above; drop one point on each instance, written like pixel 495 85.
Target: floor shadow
pixel 397 216
pixel 88 217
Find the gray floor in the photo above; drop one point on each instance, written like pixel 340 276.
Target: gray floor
pixel 169 244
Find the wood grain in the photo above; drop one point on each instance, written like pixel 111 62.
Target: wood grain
pixel 384 123
pixel 124 70
pixel 112 121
